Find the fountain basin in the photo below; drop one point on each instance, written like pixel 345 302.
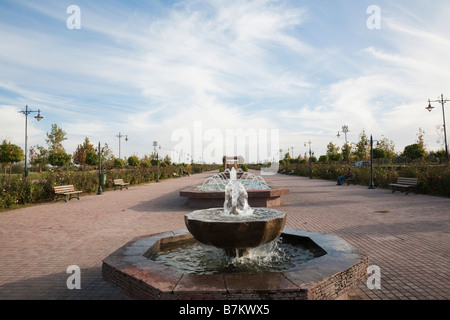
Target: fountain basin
pixel 328 276
pixel 199 199
pixel 212 227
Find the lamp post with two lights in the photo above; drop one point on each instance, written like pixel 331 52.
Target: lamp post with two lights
pixel 26 112
pixel 442 101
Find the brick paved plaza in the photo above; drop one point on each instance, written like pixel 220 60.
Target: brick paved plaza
pixel 406 236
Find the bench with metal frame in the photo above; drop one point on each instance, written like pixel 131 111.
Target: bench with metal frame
pixel 68 190
pixel 119 183
pixel 351 179
pixel 404 184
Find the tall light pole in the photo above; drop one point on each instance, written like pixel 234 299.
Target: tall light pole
pixel 371 186
pixel 310 156
pixel 121 136
pixel 156 147
pixel 345 131
pixel 26 112
pixel 100 151
pixel 429 108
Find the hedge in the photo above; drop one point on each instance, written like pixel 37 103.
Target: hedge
pixel 433 179
pixel 15 191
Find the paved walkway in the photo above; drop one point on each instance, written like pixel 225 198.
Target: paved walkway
pixel 406 236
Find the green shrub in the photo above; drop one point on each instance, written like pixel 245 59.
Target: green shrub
pixel 133 161
pixel 433 179
pixel 119 163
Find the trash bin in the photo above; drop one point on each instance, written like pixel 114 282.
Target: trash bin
pixel 103 178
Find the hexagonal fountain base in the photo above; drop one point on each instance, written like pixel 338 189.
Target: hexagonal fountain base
pixel 329 276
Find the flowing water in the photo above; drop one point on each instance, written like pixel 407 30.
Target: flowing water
pixel 219 181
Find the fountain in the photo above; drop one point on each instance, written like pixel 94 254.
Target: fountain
pixel 235 227
pixel 235 252
pixel 211 193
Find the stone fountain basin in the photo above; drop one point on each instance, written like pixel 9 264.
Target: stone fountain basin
pixel 329 276
pixel 210 227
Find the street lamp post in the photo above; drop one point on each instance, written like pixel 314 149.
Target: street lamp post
pixel 26 112
pixel 371 186
pixel 344 130
pixel 429 108
pixel 310 155
pixel 100 151
pixel 156 147
pixel 121 136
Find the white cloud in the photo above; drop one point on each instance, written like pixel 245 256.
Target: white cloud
pixel 232 64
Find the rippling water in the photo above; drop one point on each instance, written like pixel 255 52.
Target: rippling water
pixel 192 257
pixel 218 214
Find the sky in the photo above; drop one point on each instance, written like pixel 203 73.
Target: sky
pixel 211 78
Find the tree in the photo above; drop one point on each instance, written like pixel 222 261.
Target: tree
pixel 10 153
pixel 57 155
pixel 336 157
pixel 333 152
pixel 379 153
pixel 420 141
pixel 59 159
pixel 362 147
pixel 146 161
pixel 346 150
pixel 91 158
pixel 107 157
pixel 388 148
pixel 80 156
pixel 167 160
pixel 55 139
pixel 40 159
pixel 414 151
pixel 332 149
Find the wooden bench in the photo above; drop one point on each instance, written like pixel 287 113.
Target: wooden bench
pixel 181 173
pixel 404 184
pixel 351 179
pixel 120 183
pixel 65 191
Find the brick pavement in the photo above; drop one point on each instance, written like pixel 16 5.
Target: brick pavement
pixel 406 236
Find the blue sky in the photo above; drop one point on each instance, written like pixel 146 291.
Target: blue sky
pixel 149 68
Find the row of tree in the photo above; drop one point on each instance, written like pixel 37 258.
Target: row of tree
pixel 383 150
pixel 85 155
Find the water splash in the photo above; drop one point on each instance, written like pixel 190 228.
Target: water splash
pixel 236 197
pixel 219 181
